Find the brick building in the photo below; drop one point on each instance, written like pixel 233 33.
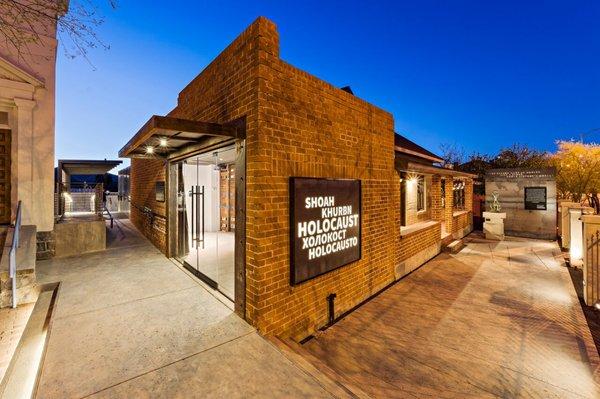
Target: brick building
pixel 211 186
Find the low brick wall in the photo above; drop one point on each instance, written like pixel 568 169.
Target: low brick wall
pixel 418 247
pixel 462 224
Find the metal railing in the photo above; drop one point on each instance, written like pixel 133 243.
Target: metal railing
pixel 13 255
pixel 110 216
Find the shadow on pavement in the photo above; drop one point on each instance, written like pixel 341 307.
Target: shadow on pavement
pixel 592 315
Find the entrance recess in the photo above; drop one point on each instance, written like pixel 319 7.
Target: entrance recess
pixel 206 193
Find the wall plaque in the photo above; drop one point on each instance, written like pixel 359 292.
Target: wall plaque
pixel 325 225
pixel 535 198
pixel 160 191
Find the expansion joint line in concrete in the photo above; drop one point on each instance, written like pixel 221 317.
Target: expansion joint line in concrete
pixel 123 303
pixel 169 364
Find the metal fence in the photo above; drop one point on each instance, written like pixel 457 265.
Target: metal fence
pixel 79 199
pixel 592 260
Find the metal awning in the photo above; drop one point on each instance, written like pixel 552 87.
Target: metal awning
pixel 87 167
pixel 167 137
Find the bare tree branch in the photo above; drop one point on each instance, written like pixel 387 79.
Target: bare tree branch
pixel 24 25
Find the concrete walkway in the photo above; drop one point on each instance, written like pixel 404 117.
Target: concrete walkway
pixel 129 323
pixel 495 320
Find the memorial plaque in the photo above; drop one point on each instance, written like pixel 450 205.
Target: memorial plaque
pixel 325 225
pixel 535 198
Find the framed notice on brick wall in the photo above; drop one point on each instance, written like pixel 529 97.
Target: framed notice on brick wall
pixel 325 225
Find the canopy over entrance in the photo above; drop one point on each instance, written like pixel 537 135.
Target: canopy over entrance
pixel 167 137
pixel 86 167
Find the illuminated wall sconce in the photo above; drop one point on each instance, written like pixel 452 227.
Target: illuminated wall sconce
pixel 163 142
pixel 149 150
pixel 413 178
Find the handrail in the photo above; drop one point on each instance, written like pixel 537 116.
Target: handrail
pixel 13 255
pixel 109 215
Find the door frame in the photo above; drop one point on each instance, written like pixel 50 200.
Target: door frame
pixel 240 210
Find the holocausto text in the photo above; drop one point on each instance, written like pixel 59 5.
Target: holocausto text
pixel 329 233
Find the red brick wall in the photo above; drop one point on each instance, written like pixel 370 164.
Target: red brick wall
pixel 296 125
pixel 419 240
pixel 144 175
pixel 437 212
pixel 461 221
pixel 308 127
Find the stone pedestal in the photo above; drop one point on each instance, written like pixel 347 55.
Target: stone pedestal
pixel 565 220
pixel 493 227
pixel 576 237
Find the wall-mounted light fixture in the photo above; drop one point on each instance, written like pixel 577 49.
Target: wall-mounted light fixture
pixel 149 150
pixel 413 178
pixel 163 142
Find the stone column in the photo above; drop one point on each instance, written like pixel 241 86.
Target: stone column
pixel 22 167
pixel 577 241
pixel 565 222
pixel 591 259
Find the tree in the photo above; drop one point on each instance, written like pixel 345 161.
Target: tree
pixel 520 156
pixel 477 164
pixel 25 23
pixel 578 171
pixel 452 154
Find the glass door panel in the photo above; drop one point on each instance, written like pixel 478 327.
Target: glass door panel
pixel 206 217
pixel 225 160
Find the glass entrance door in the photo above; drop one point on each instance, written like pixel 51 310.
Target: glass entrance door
pixel 206 217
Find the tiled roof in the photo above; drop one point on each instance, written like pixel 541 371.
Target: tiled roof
pixel 406 146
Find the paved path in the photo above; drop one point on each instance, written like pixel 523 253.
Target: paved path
pixel 129 323
pixel 495 320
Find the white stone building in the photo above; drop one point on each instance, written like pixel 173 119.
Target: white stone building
pixel 27 136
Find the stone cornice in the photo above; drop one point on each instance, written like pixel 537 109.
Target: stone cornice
pixel 20 73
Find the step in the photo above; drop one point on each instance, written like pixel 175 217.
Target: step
pixel 27 290
pixel 455 246
pixel 333 382
pixel 21 378
pixel 446 239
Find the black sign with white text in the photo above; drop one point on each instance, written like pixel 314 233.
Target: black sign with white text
pixel 325 225
pixel 535 198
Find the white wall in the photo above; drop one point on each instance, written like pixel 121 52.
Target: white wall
pixel 519 221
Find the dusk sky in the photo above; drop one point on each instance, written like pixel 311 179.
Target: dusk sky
pixel 479 74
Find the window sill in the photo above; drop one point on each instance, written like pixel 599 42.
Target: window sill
pixel 458 213
pixel 417 227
